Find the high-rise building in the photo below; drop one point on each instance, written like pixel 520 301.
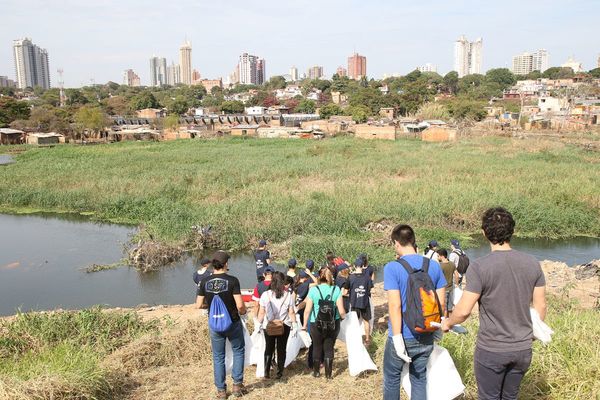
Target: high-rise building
pixel 251 70
pixel 130 78
pixel 173 74
pixel 31 64
pixel 428 68
pixel 341 71
pixel 196 77
pixel 526 63
pixel 467 56
pixel 158 71
pixel 261 71
pixel 598 64
pixel 185 63
pixel 5 82
pixel 294 73
pixel 357 66
pixel 315 72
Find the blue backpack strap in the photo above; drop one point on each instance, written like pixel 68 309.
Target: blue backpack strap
pixel 407 266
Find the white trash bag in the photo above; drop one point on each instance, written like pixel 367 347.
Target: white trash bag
pixel 458 292
pixel 294 345
pixel 541 331
pixel 359 359
pixel 306 339
pixel 247 353
pixel 443 380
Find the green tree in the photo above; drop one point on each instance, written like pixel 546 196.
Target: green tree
pixel 330 109
pixel 46 118
pixel 232 107
pixel 595 73
pixel 51 97
pixel 213 100
pixel 75 97
pixel 502 76
pixel 451 82
pixel 464 108
pixel 558 73
pixel 306 106
pixel 117 105
pixel 276 82
pixel 11 109
pixel 360 113
pixel 171 122
pixel 144 100
pixel 178 106
pixel 89 118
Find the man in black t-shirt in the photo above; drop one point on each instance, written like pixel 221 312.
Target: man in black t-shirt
pixel 262 258
pixel 228 289
pixel 359 287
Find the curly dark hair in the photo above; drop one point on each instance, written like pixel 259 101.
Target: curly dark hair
pixel 498 225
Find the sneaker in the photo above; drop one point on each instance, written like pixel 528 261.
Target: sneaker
pixel 221 394
pixel 239 390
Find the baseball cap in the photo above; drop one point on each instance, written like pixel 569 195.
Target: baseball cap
pixel 433 243
pixel 220 256
pixel 455 243
pixel 303 274
pixel 292 262
pixel 310 264
pixel 263 242
pixel 359 262
pixel 204 261
pixel 270 269
pixel 343 266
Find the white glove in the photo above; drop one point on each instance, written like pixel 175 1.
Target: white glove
pixel 398 341
pixel 294 331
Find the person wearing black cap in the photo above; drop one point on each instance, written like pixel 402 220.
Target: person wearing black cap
pixel 202 273
pixel 430 250
pixel 292 268
pixel 359 287
pixel 262 258
pixel 369 268
pixel 227 288
pixel 341 281
pixel 262 286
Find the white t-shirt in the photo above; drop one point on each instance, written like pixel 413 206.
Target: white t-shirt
pixel 432 254
pixel 453 258
pixel 277 308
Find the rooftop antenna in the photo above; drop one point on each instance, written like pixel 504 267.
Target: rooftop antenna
pixel 61 86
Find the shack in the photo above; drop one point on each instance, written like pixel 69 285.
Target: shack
pixel 245 130
pixel 11 136
pixel 365 131
pixel 45 139
pixel 438 134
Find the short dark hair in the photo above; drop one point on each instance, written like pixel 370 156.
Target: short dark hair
pixel 442 252
pixel 498 225
pixel 403 234
pixel 330 256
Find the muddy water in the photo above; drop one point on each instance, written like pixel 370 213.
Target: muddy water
pixel 42 257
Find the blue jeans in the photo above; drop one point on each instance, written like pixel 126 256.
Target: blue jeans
pixel 419 351
pixel 235 334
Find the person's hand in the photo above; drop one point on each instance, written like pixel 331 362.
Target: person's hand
pixel 446 325
pixel 294 331
pixel 398 341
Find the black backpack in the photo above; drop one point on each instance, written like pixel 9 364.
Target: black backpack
pixel 325 319
pixel 463 262
pixel 422 302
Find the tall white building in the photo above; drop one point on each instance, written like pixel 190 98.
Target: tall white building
pixel 251 70
pixel 130 78
pixel 526 63
pixel 468 56
pixel 158 71
pixel 173 74
pixel 185 63
pixel 294 73
pixel 31 64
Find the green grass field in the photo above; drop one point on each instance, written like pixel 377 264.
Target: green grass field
pixel 310 196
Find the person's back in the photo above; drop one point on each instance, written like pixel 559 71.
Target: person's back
pixel 506 280
pixel 225 286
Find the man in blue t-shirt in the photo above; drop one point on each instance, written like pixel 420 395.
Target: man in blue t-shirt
pixel 402 347
pixel 262 258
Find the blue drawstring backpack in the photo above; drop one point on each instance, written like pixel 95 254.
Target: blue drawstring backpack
pixel 219 319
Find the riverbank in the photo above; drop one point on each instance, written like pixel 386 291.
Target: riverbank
pixel 307 197
pixel 163 352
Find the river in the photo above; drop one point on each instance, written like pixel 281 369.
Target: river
pixel 42 258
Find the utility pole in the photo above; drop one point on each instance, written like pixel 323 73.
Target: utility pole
pixel 61 86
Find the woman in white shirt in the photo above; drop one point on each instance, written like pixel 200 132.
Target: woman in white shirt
pixel 277 308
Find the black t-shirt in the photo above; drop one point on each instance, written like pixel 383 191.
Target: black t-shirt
pixel 359 286
pixel 225 286
pixel 198 278
pixel 302 292
pixel 261 257
pixel 369 270
pixel 340 281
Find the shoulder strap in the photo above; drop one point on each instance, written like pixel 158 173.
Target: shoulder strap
pixel 425 266
pixel 407 266
pixel 319 290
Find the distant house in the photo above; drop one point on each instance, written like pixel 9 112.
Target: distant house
pixel 244 130
pixel 256 110
pixel 151 113
pixel 11 136
pixel 365 131
pixel 45 139
pixel 387 112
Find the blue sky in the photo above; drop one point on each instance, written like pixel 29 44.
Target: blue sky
pixel 99 39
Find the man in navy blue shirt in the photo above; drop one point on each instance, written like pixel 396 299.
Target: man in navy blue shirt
pixel 402 347
pixel 262 258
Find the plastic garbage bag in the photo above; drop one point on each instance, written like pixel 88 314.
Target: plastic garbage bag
pixel 541 331
pixel 306 339
pixel 443 380
pixel 458 292
pixel 247 353
pixel 294 345
pixel 359 359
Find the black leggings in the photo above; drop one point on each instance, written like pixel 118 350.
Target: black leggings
pixel 281 345
pixel 323 345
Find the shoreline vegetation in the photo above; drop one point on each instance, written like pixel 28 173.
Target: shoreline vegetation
pixel 339 193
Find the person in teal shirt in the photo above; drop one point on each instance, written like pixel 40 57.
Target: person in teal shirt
pixel 323 341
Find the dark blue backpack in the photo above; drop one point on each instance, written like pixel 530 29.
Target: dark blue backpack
pixel 219 319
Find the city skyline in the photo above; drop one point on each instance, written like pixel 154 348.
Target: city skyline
pixel 87 53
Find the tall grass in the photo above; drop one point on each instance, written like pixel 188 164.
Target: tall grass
pixel 299 192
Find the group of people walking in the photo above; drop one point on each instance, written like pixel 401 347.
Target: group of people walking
pixel 504 283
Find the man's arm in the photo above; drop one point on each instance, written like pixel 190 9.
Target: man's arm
pixel 461 311
pixel 441 294
pixel 239 302
pixel 199 301
pixel 395 311
pixel 307 310
pixel 539 301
